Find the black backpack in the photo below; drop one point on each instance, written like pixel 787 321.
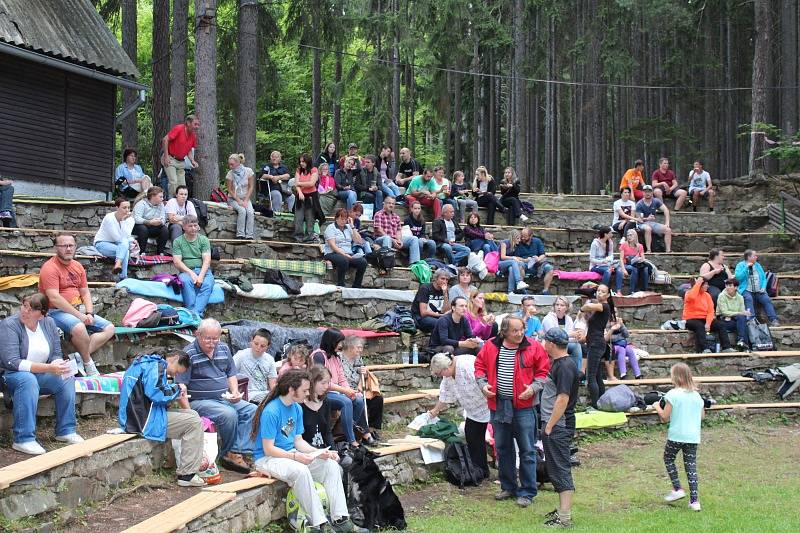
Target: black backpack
pixel 202 211
pixel 383 260
pixel 276 277
pixel 400 320
pixel 458 467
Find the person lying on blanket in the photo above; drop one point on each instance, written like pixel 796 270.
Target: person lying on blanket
pixel 144 396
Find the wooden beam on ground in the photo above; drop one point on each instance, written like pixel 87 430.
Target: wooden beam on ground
pixel 41 463
pixel 397 366
pixel 396 448
pixel 178 516
pixel 730 406
pixel 407 397
pixel 667 356
pixel 667 381
pixel 241 484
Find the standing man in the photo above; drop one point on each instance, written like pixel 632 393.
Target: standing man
pixel 191 255
pixel 559 395
pixel 211 385
pixel 511 370
pixel 407 169
pixel 665 184
pixel 274 183
pixel 445 231
pixel 387 227
pixel 177 145
pixel 63 281
pixel 646 210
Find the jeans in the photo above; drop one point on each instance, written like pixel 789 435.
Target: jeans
pixel 411 244
pixel 522 429
pixel 6 197
pixel 175 231
pixel 463 205
pixel 738 324
pixel 390 189
pixel 25 388
pixel 245 218
pixel 426 323
pixel 594 377
pixel 120 251
pixel 350 412
pixel 374 198
pixel 606 272
pixel 276 201
pixel 304 217
pixel 637 276
pixel 454 253
pixel 348 197
pixel 576 354
pixel 342 264
pixel 196 298
pixel 233 421
pixel 511 268
pixel 142 232
pixel 482 244
pixel 762 298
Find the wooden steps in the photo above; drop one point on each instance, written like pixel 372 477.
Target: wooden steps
pixel 241 484
pixel 178 516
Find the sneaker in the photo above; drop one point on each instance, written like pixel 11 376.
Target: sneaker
pixel 523 218
pixel 742 346
pixel 345 525
pixel 90 368
pixel 775 324
pixel 552 514
pixel 72 438
pixel 675 495
pixel 5 214
pixel 503 495
pixel 557 522
pixel 729 350
pixel 707 351
pixel 640 376
pixel 479 253
pixel 521 285
pixel 694 506
pixel 30 447
pixel 524 501
pixel 191 480
pixel 545 292
pixel 623 376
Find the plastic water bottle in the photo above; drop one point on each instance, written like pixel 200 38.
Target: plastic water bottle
pixel 415 354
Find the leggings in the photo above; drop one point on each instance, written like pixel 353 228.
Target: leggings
pixel 689 462
pixel 594 373
pixel 475 433
pixel 626 352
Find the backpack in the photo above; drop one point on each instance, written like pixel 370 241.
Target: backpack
pixel 382 259
pixel 295 514
pixel 202 211
pixel 169 315
pixel 399 319
pixel 139 310
pixel 657 245
pixel 617 399
pixel 218 195
pixel 773 285
pixel 459 468
pixel 526 207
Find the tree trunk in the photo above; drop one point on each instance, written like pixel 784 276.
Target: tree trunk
pixel 206 98
pixel 180 38
pixel 247 74
pixel 316 103
pixel 476 105
pixel 518 136
pixel 761 71
pixel 337 100
pixel 457 112
pixel 789 67
pixel 130 127
pixel 412 96
pixel 394 121
pixel 160 77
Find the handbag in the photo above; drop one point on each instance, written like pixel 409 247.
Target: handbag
pixel 760 336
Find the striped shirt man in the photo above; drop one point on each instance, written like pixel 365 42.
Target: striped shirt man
pixel 207 377
pixel 505 372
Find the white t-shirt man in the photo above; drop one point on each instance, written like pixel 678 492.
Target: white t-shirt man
pixel 628 207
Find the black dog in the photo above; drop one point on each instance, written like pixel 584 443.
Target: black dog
pixel 370 497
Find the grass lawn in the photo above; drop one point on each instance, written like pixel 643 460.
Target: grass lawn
pixel 749 474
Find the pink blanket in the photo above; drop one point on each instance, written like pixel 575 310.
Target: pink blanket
pixel 365 334
pixel 577 276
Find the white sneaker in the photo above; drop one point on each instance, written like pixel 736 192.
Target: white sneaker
pixel 31 447
pixel 195 481
pixel 523 218
pixel 694 506
pixel 479 253
pixel 675 495
pixel 91 368
pixel 521 285
pixel 72 438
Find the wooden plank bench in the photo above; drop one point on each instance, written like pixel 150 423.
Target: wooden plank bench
pixel 730 406
pixel 667 381
pixel 178 516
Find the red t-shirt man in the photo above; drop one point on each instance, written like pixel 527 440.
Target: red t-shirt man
pixel 175 146
pixel 68 279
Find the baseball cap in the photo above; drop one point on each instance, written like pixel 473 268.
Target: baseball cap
pixel 647 188
pixel 352 145
pixel 557 336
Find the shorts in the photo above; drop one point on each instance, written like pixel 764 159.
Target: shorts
pixel 66 322
pixel 703 193
pixel 658 229
pixel 557 457
pixel 539 270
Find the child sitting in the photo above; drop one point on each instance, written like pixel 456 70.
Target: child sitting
pixel 257 365
pixel 623 350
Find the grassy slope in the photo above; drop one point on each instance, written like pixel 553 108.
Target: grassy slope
pixel 749 481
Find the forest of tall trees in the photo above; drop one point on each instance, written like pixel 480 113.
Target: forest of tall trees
pixel 569 93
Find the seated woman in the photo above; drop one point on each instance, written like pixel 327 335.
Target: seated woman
pixel 297 357
pixel 317 429
pixel 341 396
pixel 355 372
pixel 476 237
pixel 416 223
pixel 340 236
pixel 113 238
pixel 483 188
pixel 509 196
pixel 464 285
pixel 631 257
pixel 150 219
pixel 257 366
pixel 601 258
pixel 132 172
pixel 178 208
pixel 559 318
pixel 511 266
pixel 241 183
pixel 459 193
pixel 326 189
pixel 30 353
pixel 483 324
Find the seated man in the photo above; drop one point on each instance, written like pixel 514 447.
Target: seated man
pixel 281 452
pixel 63 281
pixel 445 232
pixel 698 312
pixel 210 375
pixel 143 410
pixel 431 301
pixel 368 184
pixel 646 210
pixel 753 287
pixel 191 255
pixel 30 357
pixel 732 312
pixel 624 213
pixel 634 179
pixel 453 333
pixel 665 184
pixel 530 250
pixel 528 314
pixel 700 186
pixel 422 189
pixel 386 225
pixel 258 366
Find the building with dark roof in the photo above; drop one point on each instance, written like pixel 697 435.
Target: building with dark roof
pixel 60 67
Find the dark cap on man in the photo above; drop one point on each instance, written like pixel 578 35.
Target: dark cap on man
pixel 557 336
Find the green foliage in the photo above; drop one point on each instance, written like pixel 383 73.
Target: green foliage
pixel 786 149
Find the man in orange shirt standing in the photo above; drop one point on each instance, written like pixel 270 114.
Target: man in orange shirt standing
pixel 177 145
pixel 63 280
pixel 634 179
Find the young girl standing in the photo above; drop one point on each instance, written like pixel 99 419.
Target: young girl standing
pixel 684 409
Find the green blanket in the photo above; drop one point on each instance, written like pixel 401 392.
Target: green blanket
pixel 291 267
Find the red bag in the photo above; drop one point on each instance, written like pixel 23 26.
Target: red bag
pixel 218 195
